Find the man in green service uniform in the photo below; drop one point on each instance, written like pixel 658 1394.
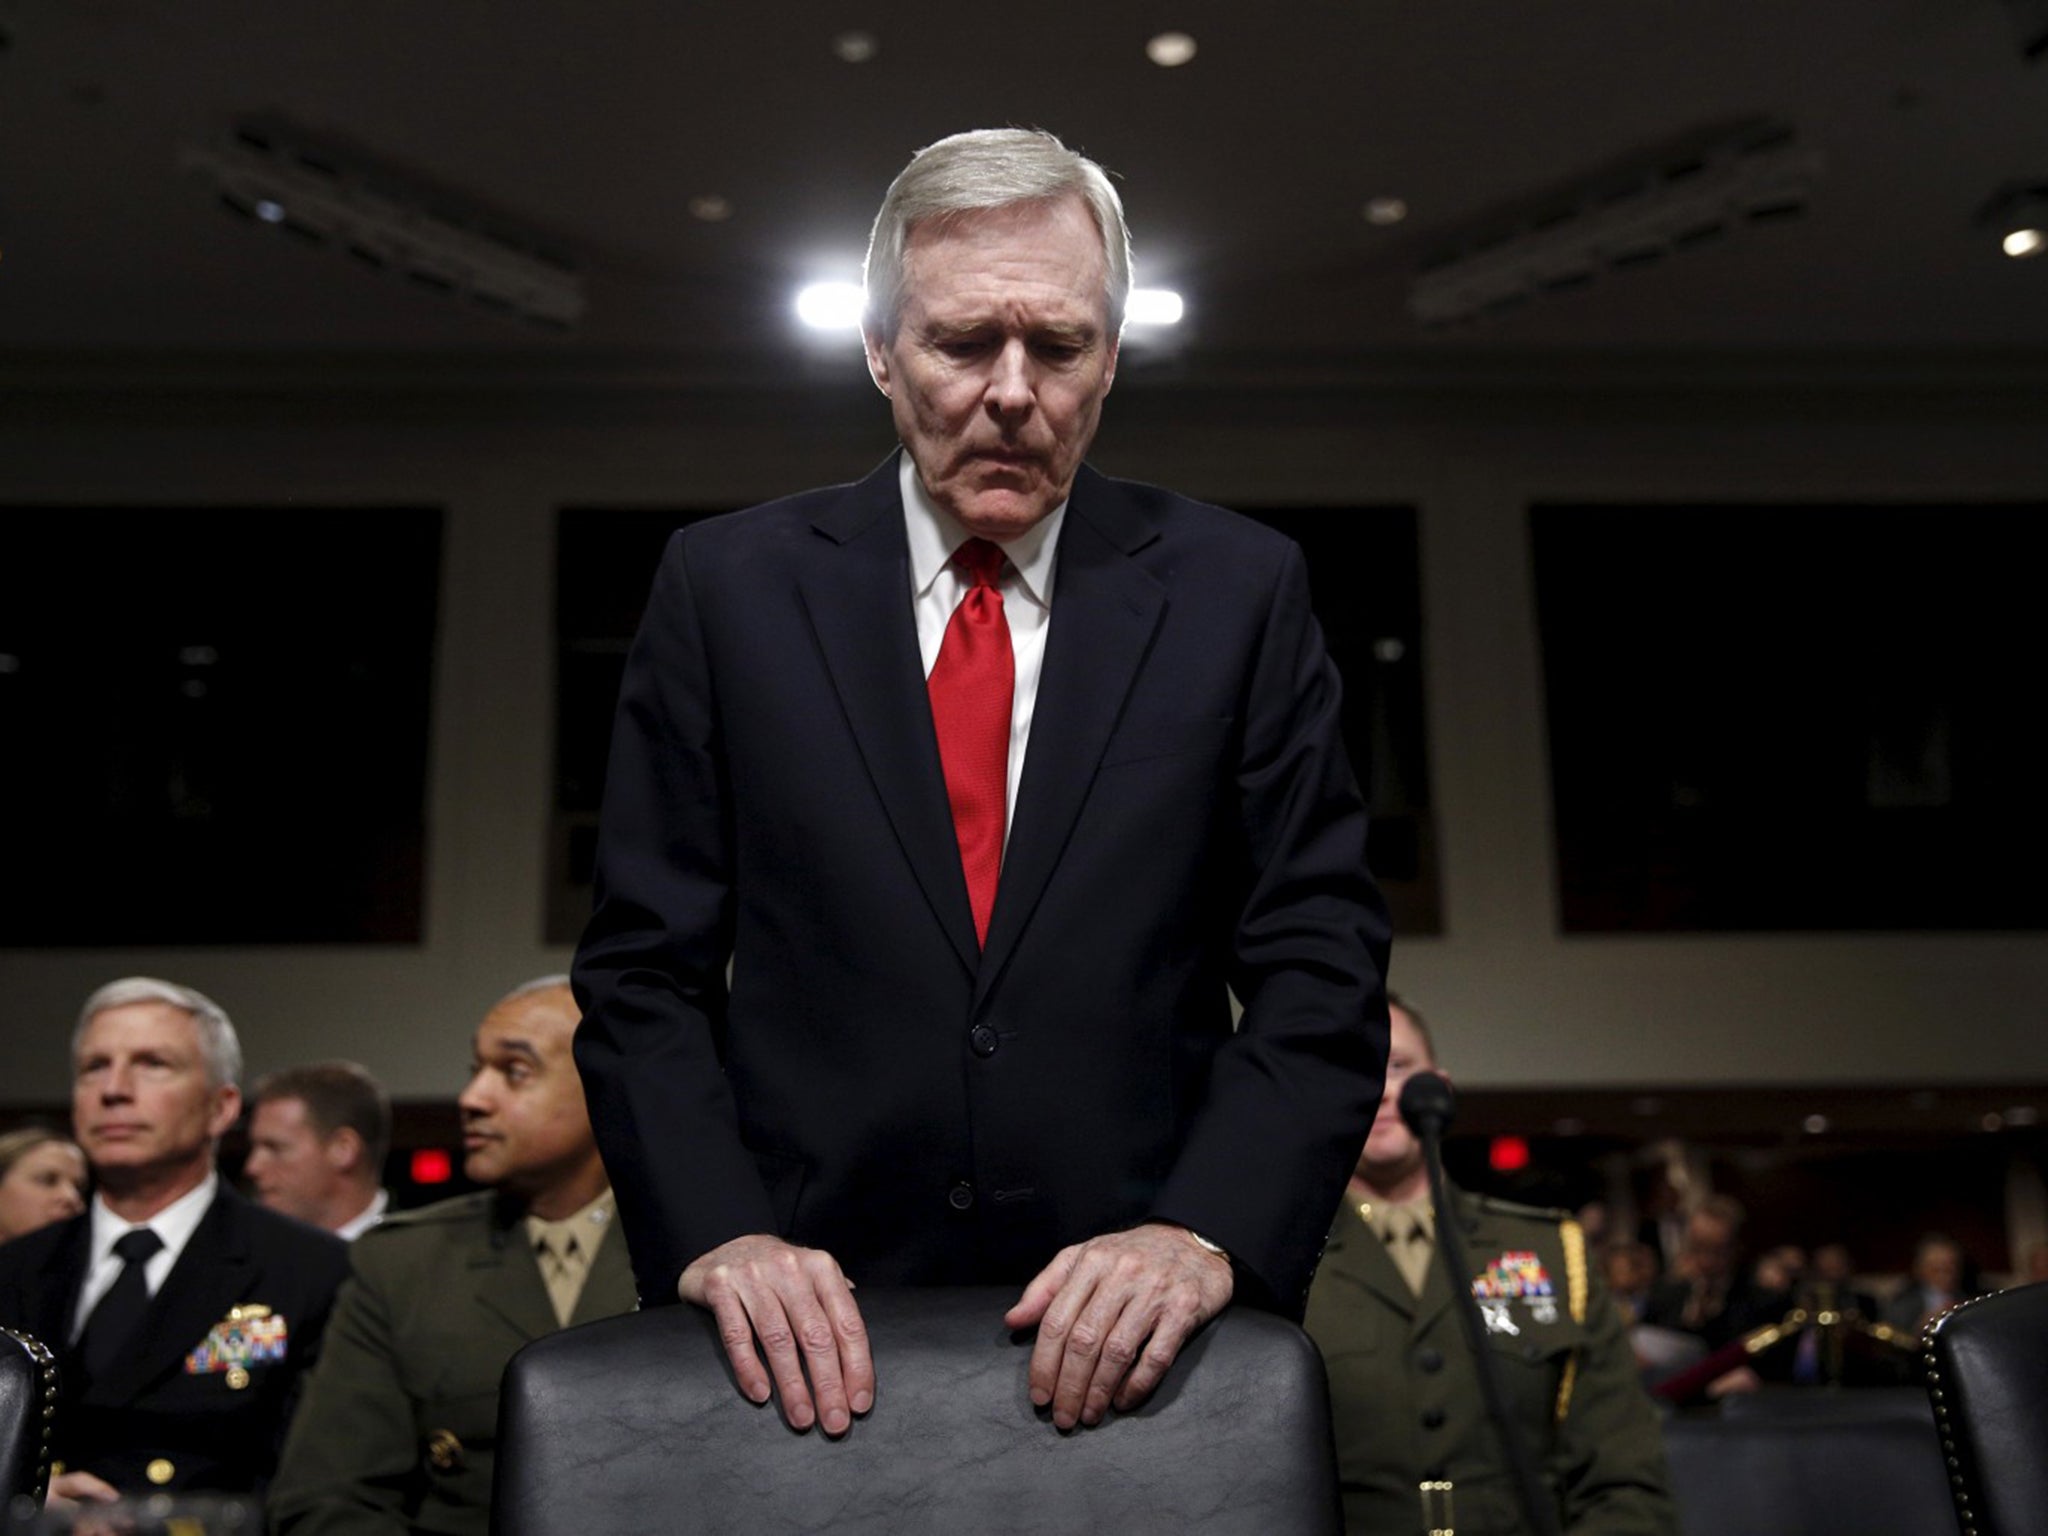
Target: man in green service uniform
pixel 1415 1450
pixel 396 1430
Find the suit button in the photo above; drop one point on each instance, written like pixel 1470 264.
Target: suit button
pixel 1429 1359
pixel 1434 1419
pixel 960 1196
pixel 984 1040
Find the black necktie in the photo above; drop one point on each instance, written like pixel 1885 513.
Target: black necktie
pixel 110 1331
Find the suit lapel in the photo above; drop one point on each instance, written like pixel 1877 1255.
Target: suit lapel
pixel 215 1271
pixel 505 1276
pixel 48 1308
pixel 1105 610
pixel 1359 1254
pixel 856 589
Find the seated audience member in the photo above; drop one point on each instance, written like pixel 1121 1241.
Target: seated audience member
pixel 1937 1283
pixel 1630 1269
pixel 317 1139
pixel 1832 1283
pixel 1415 1449
pixel 398 1429
pixel 182 1315
pixel 42 1179
pixel 1781 1270
pixel 2035 1270
pixel 1706 1294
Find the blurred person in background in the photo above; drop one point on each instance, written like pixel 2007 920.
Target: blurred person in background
pixel 1940 1279
pixel 1832 1283
pixel 1630 1270
pixel 183 1316
pixel 397 1431
pixel 42 1179
pixel 1707 1294
pixel 317 1140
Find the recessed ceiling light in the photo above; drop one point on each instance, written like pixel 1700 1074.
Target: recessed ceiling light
pixel 711 207
pixel 2025 242
pixel 1383 211
pixel 856 47
pixel 830 306
pixel 1153 306
pixel 1170 50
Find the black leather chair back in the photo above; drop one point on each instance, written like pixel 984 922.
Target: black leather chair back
pixel 1834 1467
pixel 1987 1374
pixel 633 1425
pixel 28 1408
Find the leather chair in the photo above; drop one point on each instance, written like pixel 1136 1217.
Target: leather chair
pixel 1987 1376
pixel 1833 1467
pixel 28 1406
pixel 633 1425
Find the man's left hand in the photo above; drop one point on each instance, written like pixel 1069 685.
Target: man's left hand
pixel 1112 1314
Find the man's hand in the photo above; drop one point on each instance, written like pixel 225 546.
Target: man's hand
pixel 798 1304
pixel 68 1490
pixel 1112 1314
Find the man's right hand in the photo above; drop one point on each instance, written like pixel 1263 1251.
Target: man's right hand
pixel 69 1490
pixel 799 1305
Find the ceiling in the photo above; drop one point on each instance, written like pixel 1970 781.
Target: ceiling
pixel 592 125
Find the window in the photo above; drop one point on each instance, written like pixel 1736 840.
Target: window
pixel 1770 718
pixel 216 724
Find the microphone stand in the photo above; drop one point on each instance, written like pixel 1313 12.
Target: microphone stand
pixel 1426 1107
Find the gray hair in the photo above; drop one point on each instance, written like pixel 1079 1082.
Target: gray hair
pixel 218 1046
pixel 538 984
pixel 973 173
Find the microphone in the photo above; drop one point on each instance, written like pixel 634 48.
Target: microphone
pixel 1427 1104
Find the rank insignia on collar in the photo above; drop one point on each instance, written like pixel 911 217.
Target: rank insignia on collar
pixel 250 1334
pixel 1517 1275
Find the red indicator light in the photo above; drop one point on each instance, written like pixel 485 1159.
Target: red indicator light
pixel 1507 1154
pixel 431 1165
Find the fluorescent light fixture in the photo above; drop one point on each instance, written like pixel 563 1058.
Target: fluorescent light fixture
pixel 271 174
pixel 1751 175
pixel 831 306
pixel 1153 306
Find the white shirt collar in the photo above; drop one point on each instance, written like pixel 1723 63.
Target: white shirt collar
pixel 364 1219
pixel 935 533
pixel 174 1224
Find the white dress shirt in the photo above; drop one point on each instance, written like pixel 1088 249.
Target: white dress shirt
pixel 364 1219
pixel 173 1225
pixel 937 586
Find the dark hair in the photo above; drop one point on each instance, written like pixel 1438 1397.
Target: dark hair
pixel 338 1095
pixel 1395 1000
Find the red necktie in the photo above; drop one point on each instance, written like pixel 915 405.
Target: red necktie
pixel 971 686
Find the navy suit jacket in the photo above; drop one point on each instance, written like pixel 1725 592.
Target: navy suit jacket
pixel 873 1083
pixel 214 1437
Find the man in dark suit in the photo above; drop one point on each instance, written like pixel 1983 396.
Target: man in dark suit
pixel 183 1316
pixel 989 777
